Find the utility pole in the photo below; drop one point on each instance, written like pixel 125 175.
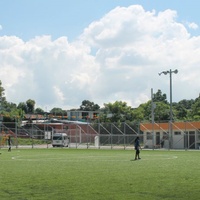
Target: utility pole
pixel 171 114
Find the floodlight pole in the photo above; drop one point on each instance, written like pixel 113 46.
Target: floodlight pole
pixel 153 106
pixel 171 114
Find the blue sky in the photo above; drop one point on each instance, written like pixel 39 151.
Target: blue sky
pixel 61 52
pixel 27 19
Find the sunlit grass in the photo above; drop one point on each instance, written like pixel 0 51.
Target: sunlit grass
pixel 98 174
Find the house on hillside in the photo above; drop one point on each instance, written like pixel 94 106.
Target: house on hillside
pixel 185 135
pixel 79 115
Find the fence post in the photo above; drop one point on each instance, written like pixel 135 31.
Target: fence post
pixel 16 134
pixel 111 137
pixel 76 136
pixel 32 134
pixel 99 131
pixel 87 136
pixel 124 135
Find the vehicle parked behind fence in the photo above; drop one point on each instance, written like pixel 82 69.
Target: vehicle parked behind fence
pixel 60 140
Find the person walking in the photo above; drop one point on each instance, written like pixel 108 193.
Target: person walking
pixel 137 148
pixel 9 143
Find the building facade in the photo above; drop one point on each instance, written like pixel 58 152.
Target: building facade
pixel 178 135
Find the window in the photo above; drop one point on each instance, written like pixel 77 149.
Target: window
pixel 177 133
pixel 57 137
pixel 149 136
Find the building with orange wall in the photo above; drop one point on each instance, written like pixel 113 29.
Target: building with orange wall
pixel 185 135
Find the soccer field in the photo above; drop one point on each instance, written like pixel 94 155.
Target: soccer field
pixel 34 174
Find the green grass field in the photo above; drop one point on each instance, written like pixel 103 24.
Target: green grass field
pixel 73 174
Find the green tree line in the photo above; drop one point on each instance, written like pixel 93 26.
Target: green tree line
pixel 111 112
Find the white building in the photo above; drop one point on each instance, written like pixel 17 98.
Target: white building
pixel 185 135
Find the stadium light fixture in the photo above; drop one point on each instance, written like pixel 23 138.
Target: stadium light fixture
pixel 170 72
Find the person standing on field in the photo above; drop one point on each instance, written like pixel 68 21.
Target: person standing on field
pixel 9 143
pixel 137 148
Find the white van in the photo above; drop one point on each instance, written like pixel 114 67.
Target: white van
pixel 60 140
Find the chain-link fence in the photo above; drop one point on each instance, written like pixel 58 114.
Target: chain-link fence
pixel 102 135
pixel 83 135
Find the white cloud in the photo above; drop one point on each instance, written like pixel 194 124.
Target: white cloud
pixel 59 94
pixel 193 25
pixel 117 57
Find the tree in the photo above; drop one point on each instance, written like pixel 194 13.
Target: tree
pixel 89 106
pixel 111 112
pixel 23 107
pixel 138 114
pixel 187 104
pixel 30 105
pixel 39 111
pixel 159 97
pixel 2 91
pixel 161 112
pixel 57 111
pixel 143 112
pixel 180 112
pixel 118 111
pixel 146 108
pixel 195 111
pixel 8 106
pixel 2 97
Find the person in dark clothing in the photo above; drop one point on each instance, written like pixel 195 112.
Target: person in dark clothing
pixel 9 143
pixel 137 148
pixel 162 143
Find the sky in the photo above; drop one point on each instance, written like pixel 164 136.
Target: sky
pixel 61 52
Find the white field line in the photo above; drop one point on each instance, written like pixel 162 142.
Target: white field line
pixel 94 158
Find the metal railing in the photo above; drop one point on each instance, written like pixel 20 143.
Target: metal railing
pixel 96 135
